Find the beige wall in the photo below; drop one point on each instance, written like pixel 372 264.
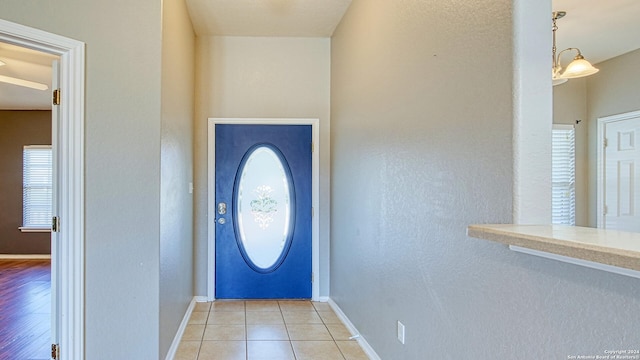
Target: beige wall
pixel 421 147
pixel 260 77
pixel 123 124
pixel 176 164
pixel 570 105
pixel 421 130
pixel 17 129
pixel 613 90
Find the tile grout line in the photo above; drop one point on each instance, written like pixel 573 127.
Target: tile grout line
pixel 286 328
pixel 331 334
pixel 246 333
pixel 206 321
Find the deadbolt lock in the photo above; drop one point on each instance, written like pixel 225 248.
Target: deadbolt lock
pixel 222 208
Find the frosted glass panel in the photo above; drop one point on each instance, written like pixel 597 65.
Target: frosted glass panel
pixel 263 207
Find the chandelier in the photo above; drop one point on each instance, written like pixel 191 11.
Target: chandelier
pixel 579 67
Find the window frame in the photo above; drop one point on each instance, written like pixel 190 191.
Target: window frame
pixel 35 226
pixel 563 207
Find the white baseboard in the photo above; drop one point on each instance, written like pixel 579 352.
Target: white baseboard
pixel 183 325
pixel 354 331
pixel 201 298
pixel 25 256
pixel 323 299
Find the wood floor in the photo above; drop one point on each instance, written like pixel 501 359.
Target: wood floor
pixel 25 309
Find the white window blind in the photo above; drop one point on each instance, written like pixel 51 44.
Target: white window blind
pixel 37 186
pixel 563 175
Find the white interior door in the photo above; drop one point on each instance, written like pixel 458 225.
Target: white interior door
pixel 621 174
pixel 55 152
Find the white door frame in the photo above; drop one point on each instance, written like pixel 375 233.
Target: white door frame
pixel 211 186
pixel 67 247
pixel 601 163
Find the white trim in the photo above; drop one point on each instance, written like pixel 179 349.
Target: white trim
pixel 37 147
pixel 183 325
pixel 315 227
pixel 67 248
pixel 580 262
pixel 200 298
pixel 354 331
pixel 29 229
pixel 563 127
pixel 25 256
pixel 211 232
pixel 600 161
pixel 600 174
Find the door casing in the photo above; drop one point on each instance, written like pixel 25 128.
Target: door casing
pixel 67 247
pixel 601 163
pixel 211 185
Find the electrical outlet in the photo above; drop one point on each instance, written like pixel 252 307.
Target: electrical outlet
pixel 401 332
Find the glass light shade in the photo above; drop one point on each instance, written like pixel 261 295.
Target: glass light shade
pixel 556 79
pixel 579 67
pixel 559 81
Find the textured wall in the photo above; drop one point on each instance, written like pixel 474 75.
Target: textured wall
pixel 613 90
pixel 176 163
pixel 17 129
pixel 532 112
pixel 421 139
pixel 260 77
pixel 122 164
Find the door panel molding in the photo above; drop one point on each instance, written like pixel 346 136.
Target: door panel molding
pixel 601 163
pixel 211 205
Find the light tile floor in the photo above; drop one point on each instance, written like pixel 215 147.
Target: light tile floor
pixel 267 330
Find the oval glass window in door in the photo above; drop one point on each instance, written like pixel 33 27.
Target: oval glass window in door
pixel 264 207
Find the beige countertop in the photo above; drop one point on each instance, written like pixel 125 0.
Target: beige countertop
pixel 609 247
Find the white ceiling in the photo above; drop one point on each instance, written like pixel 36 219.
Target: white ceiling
pixel 29 65
pixel 601 29
pixel 296 18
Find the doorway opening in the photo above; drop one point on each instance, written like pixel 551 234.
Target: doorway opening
pixel 212 206
pixel 67 244
pixel 26 80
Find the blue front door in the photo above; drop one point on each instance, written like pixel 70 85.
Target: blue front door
pixel 263 211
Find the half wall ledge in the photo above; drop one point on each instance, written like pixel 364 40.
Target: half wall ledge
pixel 607 250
